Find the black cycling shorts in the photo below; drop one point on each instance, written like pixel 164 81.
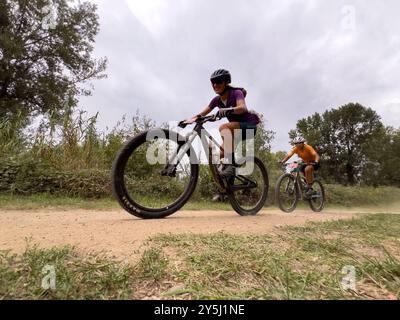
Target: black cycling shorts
pixel 251 127
pixel 303 167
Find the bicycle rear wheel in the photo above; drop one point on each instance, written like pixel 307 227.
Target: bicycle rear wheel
pixel 137 182
pixel 317 200
pixel 286 193
pixel 249 201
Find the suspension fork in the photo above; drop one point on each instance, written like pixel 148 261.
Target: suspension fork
pixel 288 184
pixel 299 185
pixel 296 187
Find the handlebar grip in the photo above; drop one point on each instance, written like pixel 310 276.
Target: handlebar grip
pixel 182 124
pixel 227 113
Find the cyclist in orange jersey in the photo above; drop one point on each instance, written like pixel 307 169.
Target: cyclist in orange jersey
pixel 311 161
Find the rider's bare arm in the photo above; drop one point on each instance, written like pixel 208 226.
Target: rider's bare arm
pixel 285 159
pixel 240 107
pixel 289 155
pixel 205 112
pixel 316 157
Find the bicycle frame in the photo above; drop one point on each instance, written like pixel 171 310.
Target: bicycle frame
pixel 208 142
pixel 299 183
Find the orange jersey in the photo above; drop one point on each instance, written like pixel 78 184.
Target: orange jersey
pixel 308 154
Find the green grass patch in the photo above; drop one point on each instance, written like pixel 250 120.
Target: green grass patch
pixel 47 200
pixel 361 196
pixel 77 276
pixel 153 264
pixel 337 197
pixel 297 263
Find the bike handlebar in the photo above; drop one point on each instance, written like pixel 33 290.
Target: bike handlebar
pixel 284 165
pixel 288 163
pixel 202 119
pixel 298 162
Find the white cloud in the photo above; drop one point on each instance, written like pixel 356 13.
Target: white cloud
pixel 149 13
pixel 390 113
pixel 155 14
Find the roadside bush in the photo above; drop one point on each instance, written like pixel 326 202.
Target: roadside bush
pixel 71 157
pixel 29 177
pixel 361 196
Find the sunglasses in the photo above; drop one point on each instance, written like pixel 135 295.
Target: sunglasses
pixel 217 81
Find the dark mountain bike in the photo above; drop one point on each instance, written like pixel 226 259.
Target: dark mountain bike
pixel 156 172
pixel 291 186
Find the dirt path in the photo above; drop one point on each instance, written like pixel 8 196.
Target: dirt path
pixel 118 234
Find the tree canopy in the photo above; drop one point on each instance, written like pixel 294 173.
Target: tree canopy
pixel 46 55
pixel 352 141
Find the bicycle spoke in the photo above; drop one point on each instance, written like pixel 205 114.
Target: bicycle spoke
pixel 249 192
pixel 143 180
pixel 286 193
pixel 317 199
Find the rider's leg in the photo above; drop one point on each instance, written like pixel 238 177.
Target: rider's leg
pixel 227 133
pixel 309 173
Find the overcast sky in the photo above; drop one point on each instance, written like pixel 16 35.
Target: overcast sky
pixel 295 57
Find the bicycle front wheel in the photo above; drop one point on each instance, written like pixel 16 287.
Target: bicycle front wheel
pixel 248 192
pixel 286 193
pixel 138 181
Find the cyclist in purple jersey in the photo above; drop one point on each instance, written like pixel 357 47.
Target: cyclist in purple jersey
pixel 231 103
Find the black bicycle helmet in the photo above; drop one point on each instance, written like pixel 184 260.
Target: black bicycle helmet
pixel 221 74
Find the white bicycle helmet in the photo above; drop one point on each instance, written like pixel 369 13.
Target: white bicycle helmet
pixel 298 140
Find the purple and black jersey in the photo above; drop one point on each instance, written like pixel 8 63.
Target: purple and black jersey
pixel 233 96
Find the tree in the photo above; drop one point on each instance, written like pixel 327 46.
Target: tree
pixel 45 55
pixel 263 137
pixel 391 167
pixel 341 136
pixel 383 159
